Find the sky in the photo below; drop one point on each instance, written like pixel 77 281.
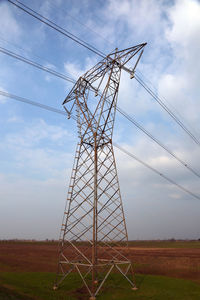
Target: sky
pixel 37 147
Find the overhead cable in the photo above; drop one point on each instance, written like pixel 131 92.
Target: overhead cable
pixel 25 100
pixel 35 64
pixel 131 119
pixel 176 119
pixel 52 109
pixel 66 12
pixel 63 31
pixel 56 27
pixel 156 171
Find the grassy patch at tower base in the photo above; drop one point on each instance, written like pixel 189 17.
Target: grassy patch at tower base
pixel 38 286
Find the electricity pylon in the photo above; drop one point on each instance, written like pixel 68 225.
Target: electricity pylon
pixel 94 233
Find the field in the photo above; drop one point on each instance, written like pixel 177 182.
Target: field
pixel 165 270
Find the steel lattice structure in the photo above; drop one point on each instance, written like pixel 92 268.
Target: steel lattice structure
pixel 94 232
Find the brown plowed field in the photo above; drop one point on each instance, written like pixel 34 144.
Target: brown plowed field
pixel 42 257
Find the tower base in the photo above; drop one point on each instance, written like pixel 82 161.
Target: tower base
pixel 101 271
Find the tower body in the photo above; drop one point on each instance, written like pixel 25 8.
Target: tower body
pixel 93 234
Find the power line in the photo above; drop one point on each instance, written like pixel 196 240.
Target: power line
pixel 52 109
pixel 66 33
pixel 131 119
pixel 27 50
pixel 176 119
pixel 156 171
pixel 56 27
pixel 178 114
pixel 51 24
pixel 37 104
pixel 157 141
pixel 82 24
pixel 35 64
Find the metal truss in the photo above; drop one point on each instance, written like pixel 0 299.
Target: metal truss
pixel 94 234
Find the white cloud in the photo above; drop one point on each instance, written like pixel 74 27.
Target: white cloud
pixel 171 60
pixel 14 119
pixel 184 16
pixel 9 27
pixel 182 35
pixel 180 82
pixel 75 71
pixel 35 206
pixel 143 14
pixel 125 23
pixel 38 147
pixel 35 133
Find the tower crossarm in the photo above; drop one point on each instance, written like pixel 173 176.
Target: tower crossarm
pixel 93 79
pixel 124 56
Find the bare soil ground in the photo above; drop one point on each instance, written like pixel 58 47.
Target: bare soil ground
pixel 42 257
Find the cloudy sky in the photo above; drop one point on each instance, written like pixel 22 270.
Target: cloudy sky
pixel 37 146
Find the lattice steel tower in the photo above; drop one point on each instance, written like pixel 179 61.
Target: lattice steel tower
pixel 93 232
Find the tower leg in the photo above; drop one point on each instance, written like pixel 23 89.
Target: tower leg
pixel 94 224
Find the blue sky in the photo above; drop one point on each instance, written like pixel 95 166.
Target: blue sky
pixel 37 147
